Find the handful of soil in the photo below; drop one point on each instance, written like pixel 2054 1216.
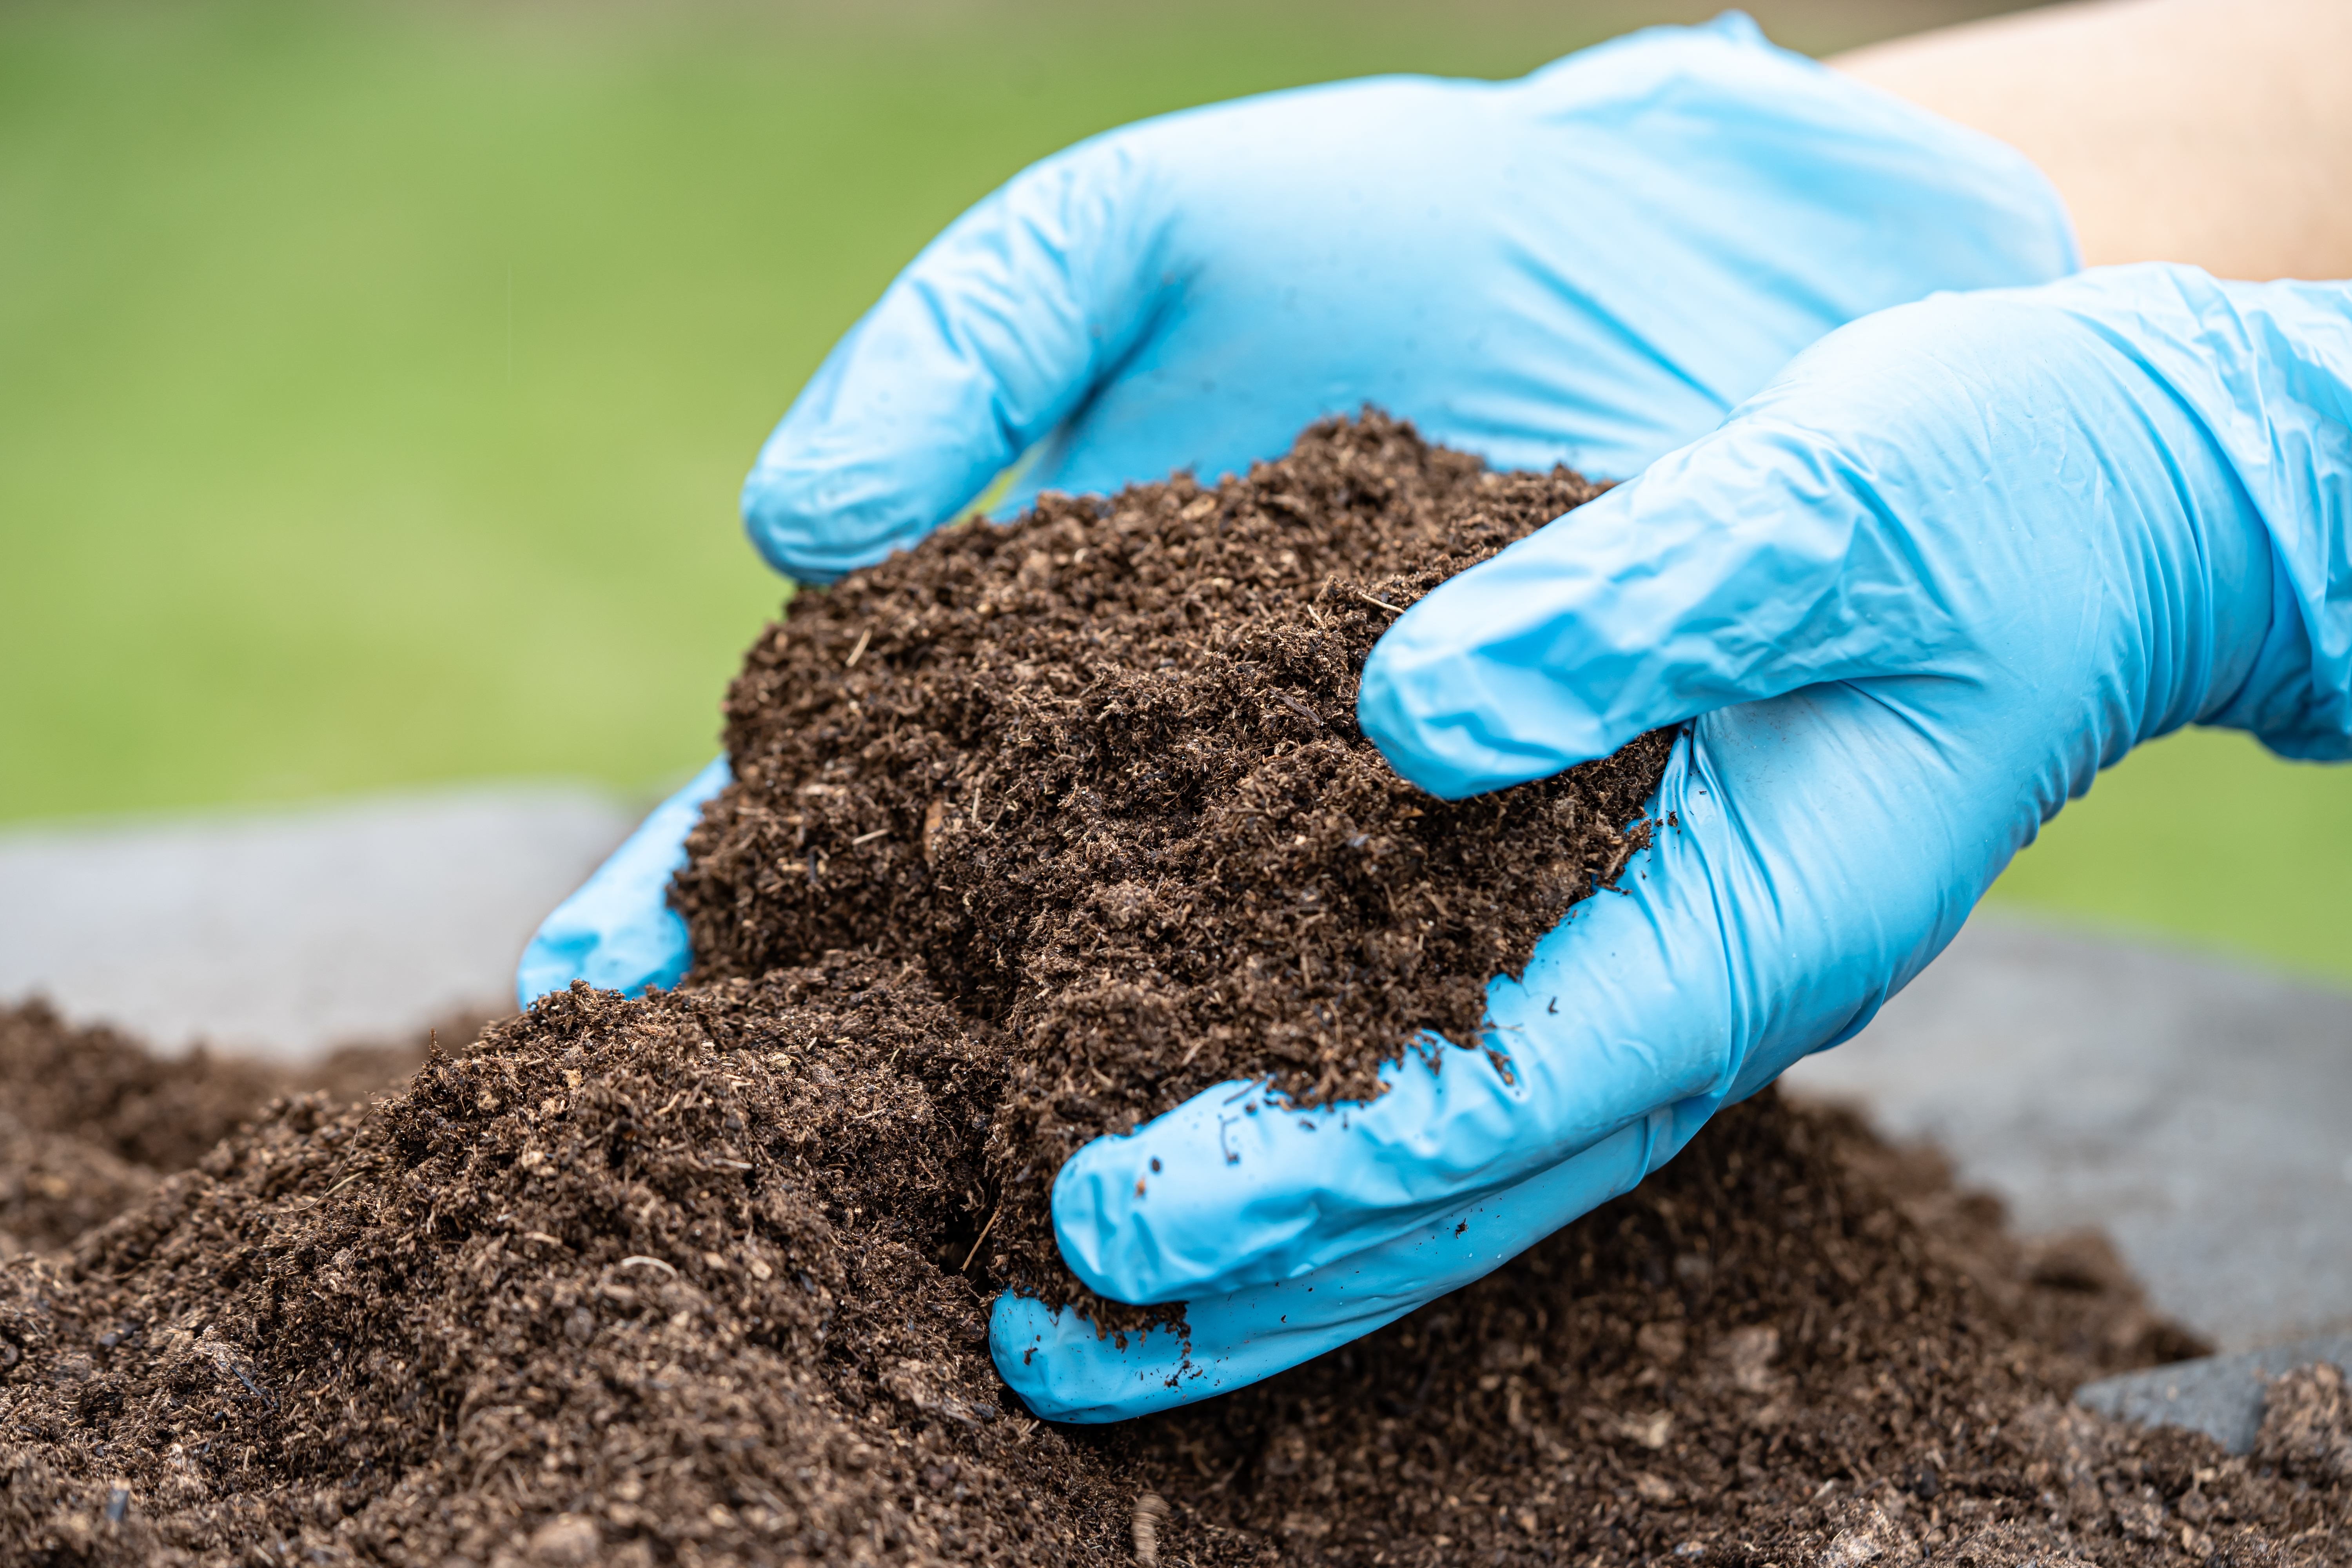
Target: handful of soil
pixel 1096 775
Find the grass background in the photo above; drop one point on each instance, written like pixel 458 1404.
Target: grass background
pixel 375 379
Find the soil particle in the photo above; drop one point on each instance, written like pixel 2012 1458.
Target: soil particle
pixel 1150 1509
pixel 1097 774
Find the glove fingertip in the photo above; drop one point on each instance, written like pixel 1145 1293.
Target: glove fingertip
pixel 616 930
pixel 1065 1369
pixel 1455 716
pixel 816 521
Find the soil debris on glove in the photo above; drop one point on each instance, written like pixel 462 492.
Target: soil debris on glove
pixel 1098 773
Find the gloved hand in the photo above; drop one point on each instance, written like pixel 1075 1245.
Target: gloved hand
pixel 1589 265
pixel 1957 558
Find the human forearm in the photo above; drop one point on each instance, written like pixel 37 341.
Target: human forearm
pixel 2210 131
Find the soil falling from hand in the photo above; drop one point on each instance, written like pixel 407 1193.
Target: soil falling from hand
pixel 696 1278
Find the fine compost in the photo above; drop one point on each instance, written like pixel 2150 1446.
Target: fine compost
pixel 620 1282
pixel 1022 850
pixel 1096 776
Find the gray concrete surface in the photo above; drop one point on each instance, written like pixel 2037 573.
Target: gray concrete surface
pixel 2199 1110
pixel 2221 1396
pixel 285 933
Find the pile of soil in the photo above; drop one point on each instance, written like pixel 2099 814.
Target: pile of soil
pixel 1097 776
pixel 91 1119
pixel 655 1281
pixel 695 1277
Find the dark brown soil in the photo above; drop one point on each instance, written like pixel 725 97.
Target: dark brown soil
pixel 89 1119
pixel 651 1281
pixel 691 1278
pixel 1098 775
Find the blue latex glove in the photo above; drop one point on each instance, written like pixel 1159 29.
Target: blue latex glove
pixel 1952 562
pixel 617 930
pixel 1589 265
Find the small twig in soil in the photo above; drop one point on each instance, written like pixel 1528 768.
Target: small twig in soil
pixel 346 1182
pixel 654 1262
pixel 868 837
pixel 863 638
pixel 1383 604
pixel 978 1240
pixel 542 1235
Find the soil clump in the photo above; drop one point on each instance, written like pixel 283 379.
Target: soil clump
pixel 1098 775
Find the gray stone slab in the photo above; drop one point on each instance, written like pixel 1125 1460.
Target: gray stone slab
pixel 2198 1109
pixel 288 932
pixel 2221 1396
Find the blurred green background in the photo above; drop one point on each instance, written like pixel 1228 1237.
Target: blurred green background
pixel 375 379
